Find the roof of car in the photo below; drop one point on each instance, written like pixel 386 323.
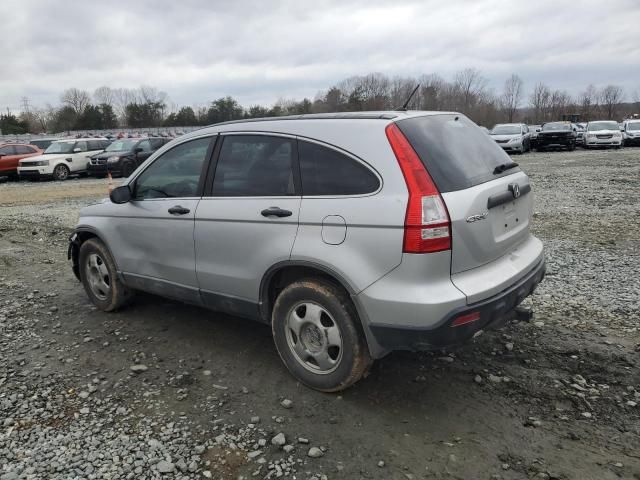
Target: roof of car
pixel 371 115
pixel 68 140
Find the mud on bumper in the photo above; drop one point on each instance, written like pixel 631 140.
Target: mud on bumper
pixel 490 313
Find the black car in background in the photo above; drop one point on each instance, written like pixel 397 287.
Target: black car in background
pixel 123 156
pixel 556 135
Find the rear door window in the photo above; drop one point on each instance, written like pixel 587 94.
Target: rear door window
pixel 255 166
pixel 325 171
pixel 456 153
pixel 24 150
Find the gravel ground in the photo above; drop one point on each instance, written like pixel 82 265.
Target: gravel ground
pixel 164 390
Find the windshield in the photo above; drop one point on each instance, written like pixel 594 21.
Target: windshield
pixel 121 146
pixel 593 126
pixel 60 147
pixel 456 152
pixel 556 127
pixel 633 126
pixel 506 130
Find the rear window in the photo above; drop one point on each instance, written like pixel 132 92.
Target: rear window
pixel 455 151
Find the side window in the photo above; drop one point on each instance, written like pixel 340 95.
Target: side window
pixel 176 173
pixel 254 166
pixel 327 172
pixel 145 145
pixel 156 143
pixel 24 150
pixel 94 145
pixel 81 145
pixel 7 150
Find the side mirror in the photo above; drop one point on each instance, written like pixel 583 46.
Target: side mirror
pixel 120 194
pixel 2 155
pixel 77 150
pixel 138 150
pixel 538 130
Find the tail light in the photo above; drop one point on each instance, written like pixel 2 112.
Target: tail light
pixel 427 228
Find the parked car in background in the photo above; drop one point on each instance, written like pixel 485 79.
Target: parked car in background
pixel 350 234
pixel 43 143
pixel 603 133
pixel 10 156
pixel 123 156
pixel 631 133
pixel 556 135
pixel 512 137
pixel 61 159
pixel 533 134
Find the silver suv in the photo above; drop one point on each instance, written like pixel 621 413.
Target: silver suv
pixel 352 235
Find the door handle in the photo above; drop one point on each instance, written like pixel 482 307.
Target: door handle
pixel 178 210
pixel 276 212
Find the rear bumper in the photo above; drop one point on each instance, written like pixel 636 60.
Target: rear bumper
pixel 492 312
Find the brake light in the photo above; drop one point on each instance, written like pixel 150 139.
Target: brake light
pixel 427 228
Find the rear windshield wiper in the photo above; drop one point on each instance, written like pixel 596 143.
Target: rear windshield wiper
pixel 505 166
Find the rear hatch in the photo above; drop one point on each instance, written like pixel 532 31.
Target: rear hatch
pixel 487 196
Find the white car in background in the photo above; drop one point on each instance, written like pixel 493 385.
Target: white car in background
pixel 512 137
pixel 62 158
pixel 631 133
pixel 603 133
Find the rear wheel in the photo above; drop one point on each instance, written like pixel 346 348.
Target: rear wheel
pixel 61 172
pixel 318 335
pixel 99 277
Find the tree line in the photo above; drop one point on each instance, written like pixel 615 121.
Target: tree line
pixel 467 92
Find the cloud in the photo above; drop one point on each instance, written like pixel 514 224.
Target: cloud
pixel 256 51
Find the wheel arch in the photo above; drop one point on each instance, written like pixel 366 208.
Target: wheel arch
pixel 80 235
pixel 283 273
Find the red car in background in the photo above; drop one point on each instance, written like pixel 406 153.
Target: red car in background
pixel 11 154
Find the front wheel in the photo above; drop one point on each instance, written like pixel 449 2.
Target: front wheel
pixel 99 277
pixel 61 172
pixel 318 335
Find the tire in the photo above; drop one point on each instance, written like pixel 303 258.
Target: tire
pixel 99 277
pixel 61 172
pixel 127 169
pixel 318 335
pixel 540 149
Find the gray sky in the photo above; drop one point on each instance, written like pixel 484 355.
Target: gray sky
pixel 259 51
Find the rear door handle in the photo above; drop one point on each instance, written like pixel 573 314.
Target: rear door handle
pixel 276 212
pixel 178 210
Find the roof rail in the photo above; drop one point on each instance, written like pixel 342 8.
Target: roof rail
pixel 315 116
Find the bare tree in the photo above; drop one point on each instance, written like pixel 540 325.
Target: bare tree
pixel 44 117
pixel 588 102
pixel 469 86
pixel 611 97
pixel 75 98
pixel 511 96
pixel 123 97
pixel 104 95
pixel 540 101
pixel 431 89
pixel 559 103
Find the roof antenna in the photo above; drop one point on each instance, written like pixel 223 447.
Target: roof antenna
pixel 404 106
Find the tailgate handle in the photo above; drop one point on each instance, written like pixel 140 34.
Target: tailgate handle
pixel 509 195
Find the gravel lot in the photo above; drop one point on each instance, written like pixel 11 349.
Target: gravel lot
pixel 164 390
